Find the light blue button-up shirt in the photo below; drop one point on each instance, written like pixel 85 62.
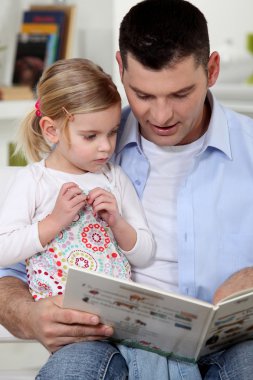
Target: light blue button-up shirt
pixel 214 204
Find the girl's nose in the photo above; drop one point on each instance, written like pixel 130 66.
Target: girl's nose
pixel 104 145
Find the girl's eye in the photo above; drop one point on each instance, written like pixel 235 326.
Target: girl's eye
pixel 114 132
pixel 90 137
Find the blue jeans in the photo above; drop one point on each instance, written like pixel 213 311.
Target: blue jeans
pixel 145 365
pixel 102 361
pixel 234 363
pixel 85 361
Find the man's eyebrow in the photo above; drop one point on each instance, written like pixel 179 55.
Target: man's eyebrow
pixel 135 89
pixel 181 90
pixel 185 89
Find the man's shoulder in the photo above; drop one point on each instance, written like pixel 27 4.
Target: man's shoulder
pixel 240 124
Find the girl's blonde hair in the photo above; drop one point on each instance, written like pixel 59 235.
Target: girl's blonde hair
pixel 74 85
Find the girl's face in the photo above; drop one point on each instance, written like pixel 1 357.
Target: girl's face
pixel 92 140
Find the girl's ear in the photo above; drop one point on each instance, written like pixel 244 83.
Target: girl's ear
pixel 49 130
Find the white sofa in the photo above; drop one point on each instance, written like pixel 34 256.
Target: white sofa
pixel 18 359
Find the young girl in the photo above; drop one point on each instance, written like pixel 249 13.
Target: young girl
pixel 72 207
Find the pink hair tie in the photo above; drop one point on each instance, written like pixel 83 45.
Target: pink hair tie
pixel 37 107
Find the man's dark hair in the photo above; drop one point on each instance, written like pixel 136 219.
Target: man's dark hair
pixel 159 33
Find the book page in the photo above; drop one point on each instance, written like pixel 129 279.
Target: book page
pixel 165 323
pixel 233 322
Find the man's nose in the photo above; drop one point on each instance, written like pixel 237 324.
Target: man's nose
pixel 162 113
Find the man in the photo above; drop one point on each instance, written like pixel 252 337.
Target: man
pixel 191 162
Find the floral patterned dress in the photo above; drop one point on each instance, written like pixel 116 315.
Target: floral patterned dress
pixel 87 243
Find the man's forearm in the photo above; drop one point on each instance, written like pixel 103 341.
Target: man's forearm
pixel 14 299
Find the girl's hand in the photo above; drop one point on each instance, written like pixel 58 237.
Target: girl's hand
pixel 105 205
pixel 69 201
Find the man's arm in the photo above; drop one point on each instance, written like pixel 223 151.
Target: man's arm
pixel 45 320
pixel 240 280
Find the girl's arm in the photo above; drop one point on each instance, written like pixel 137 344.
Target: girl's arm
pixel 143 252
pixel 18 234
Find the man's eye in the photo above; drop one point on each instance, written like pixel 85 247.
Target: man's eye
pixel 142 97
pixel 181 96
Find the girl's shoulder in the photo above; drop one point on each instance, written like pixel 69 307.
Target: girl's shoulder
pixel 117 175
pixel 113 171
pixel 30 173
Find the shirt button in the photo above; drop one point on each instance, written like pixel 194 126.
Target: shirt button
pixel 137 182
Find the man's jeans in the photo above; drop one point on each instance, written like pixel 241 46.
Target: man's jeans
pixel 102 361
pixel 85 361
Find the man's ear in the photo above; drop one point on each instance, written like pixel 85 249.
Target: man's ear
pixel 48 129
pixel 120 64
pixel 213 68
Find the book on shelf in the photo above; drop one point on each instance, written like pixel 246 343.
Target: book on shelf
pixel 46 35
pixel 66 27
pixel 169 324
pixel 33 19
pixel 30 59
pixel 52 31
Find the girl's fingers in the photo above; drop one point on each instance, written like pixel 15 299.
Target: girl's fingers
pixel 72 192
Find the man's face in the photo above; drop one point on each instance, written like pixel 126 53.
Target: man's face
pixel 169 103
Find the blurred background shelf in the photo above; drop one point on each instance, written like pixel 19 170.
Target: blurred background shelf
pixel 14 109
pixel 237 96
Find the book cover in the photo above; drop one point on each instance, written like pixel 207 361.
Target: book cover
pixel 169 324
pixel 31 55
pixel 46 16
pixel 66 33
pixel 34 28
pixel 53 38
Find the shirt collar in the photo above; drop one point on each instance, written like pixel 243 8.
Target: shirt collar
pixel 130 134
pixel 217 135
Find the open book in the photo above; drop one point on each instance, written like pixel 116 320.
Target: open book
pixel 167 323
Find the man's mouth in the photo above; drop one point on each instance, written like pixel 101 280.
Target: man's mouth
pixel 165 131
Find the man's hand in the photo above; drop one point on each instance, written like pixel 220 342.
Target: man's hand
pixel 45 320
pixel 238 281
pixel 55 327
